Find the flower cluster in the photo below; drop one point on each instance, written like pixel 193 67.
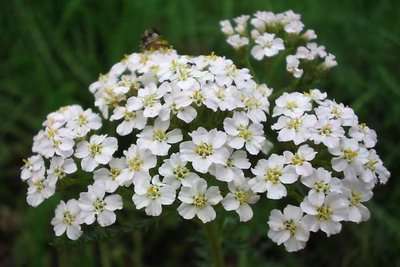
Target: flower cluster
pixel 335 189
pixel 195 131
pixel 270 34
pixel 155 97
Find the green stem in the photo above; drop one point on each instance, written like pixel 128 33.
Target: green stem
pixel 137 246
pixel 214 240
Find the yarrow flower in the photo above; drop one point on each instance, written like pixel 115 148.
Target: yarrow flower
pixel 269 33
pixel 288 228
pixel 197 131
pixel 67 219
pixel 197 200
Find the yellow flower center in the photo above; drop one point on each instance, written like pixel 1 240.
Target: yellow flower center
pixel 252 103
pixel 39 185
pixel 114 173
pixel 326 130
pixel 242 196
pixel 324 213
pixel 321 187
pixel 371 164
pixel 99 205
pixel 129 115
pixel 295 124
pixel 349 154
pixel 82 120
pixel 149 100
pixel 355 198
pixel 204 150
pixel 297 160
pixel 135 164
pixel 272 175
pixel 159 135
pixel 180 172
pixel 95 149
pixel 336 112
pixel 59 172
pixel 198 97
pixel 68 218
pixel 290 225
pixel 153 192
pixel 245 133
pixel 291 105
pixel 200 201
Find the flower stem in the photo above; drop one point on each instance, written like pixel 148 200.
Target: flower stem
pixel 214 240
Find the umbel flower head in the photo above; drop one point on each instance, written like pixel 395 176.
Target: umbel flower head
pixel 197 130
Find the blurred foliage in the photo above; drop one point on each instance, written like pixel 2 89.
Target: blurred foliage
pixel 51 50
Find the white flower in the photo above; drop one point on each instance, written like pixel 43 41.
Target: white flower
pixel 321 183
pixel 267 45
pixel 309 35
pixel 373 169
pixel 332 110
pixel 39 189
pixel 294 27
pixel 109 96
pixel 226 27
pixel 350 157
pixel 296 129
pixel 175 172
pixel 357 192
pixel 328 131
pixel 240 198
pixel 152 194
pixel 67 219
pixel 98 150
pixel 60 167
pixel 244 133
pixel 94 205
pixel 221 97
pixel 329 62
pixel 149 99
pixel 236 162
pixel 237 41
pixel 52 141
pixel 197 200
pixel 362 132
pixel 204 149
pixel 316 95
pixel 256 106
pixel 316 50
pixel 270 174
pixel 292 105
pixel 140 161
pixel 325 213
pixel 241 23
pixel 292 66
pixel 157 139
pixel 132 119
pixel 82 122
pixel 32 166
pixel 261 18
pixel 178 102
pixel 300 161
pixel 288 228
pixel 226 73
pixel 112 177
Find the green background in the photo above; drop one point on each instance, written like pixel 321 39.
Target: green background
pixel 50 51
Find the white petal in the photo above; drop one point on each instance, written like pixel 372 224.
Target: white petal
pixel 106 218
pixel 206 214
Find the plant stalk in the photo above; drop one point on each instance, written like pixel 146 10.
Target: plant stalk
pixel 214 240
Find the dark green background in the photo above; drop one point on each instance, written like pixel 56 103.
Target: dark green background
pixel 50 51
